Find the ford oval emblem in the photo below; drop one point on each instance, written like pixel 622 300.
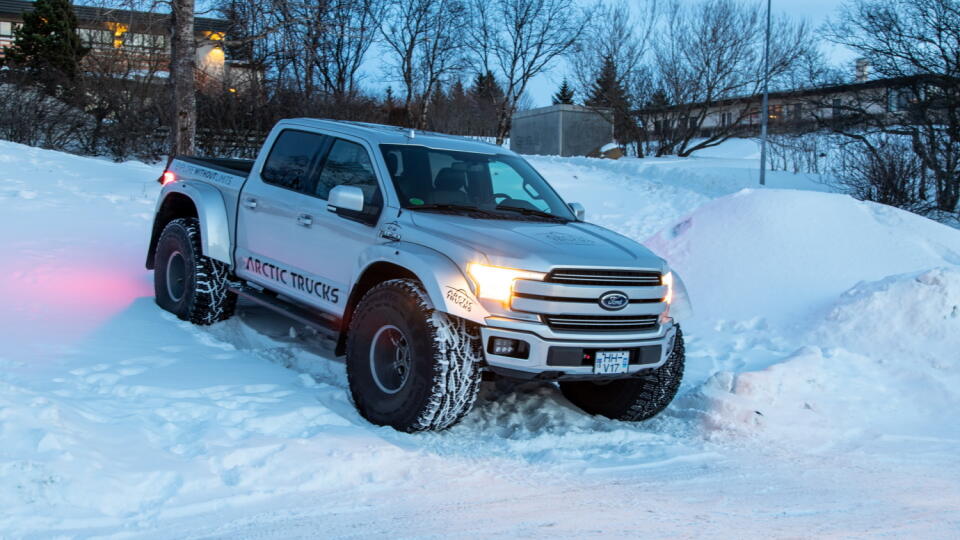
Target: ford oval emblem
pixel 614 300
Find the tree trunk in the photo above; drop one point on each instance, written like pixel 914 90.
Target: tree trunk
pixel 503 123
pixel 183 62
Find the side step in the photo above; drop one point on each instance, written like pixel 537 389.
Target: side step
pixel 321 322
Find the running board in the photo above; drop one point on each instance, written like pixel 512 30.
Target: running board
pixel 321 322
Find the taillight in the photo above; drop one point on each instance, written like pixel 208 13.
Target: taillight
pixel 167 177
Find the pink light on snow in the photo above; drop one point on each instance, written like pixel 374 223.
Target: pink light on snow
pixel 66 301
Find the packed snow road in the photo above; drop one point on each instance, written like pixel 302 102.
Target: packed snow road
pixel 820 396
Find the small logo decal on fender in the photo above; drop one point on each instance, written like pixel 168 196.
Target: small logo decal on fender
pixel 460 298
pixel 391 231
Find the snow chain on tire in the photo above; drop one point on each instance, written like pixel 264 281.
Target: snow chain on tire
pixel 209 299
pixel 449 377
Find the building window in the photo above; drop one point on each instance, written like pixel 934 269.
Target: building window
pixel 837 108
pixel 95 38
pixel 775 113
pixel 797 111
pixel 6 29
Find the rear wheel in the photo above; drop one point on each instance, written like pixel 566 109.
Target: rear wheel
pixel 633 399
pixel 410 366
pixel 185 282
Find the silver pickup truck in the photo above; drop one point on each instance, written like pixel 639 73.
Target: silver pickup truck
pixel 432 260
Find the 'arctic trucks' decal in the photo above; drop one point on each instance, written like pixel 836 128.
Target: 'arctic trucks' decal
pixel 460 297
pixel 293 280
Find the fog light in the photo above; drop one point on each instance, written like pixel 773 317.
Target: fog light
pixel 508 347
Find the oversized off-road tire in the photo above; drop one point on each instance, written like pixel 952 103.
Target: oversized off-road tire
pixel 634 399
pixel 409 366
pixel 186 283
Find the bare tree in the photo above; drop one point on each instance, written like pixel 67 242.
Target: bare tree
pixel 710 53
pixel 621 34
pixel 349 28
pixel 916 45
pixel 183 64
pixel 426 43
pixel 520 39
pixel 884 170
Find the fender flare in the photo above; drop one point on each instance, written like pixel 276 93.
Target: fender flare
pixel 215 241
pixel 446 286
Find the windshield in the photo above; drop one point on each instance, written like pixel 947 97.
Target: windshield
pixel 482 185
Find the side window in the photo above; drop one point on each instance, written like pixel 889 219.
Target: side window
pixel 292 160
pixel 349 164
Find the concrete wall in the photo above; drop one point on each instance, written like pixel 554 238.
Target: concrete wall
pixel 564 130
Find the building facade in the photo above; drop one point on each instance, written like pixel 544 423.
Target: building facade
pixel 134 41
pixel 792 110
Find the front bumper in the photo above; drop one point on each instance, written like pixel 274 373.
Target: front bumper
pixel 653 350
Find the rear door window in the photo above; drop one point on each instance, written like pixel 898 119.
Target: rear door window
pixel 293 160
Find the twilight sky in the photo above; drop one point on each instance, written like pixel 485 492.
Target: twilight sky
pixel 815 11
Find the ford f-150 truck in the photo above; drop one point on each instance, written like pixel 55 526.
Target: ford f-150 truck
pixel 430 259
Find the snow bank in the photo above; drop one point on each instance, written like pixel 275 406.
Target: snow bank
pixel 782 256
pixel 817 314
pixel 886 361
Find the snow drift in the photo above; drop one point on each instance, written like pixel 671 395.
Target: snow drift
pixel 845 314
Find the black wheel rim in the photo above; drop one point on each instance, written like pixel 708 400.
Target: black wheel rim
pixel 390 359
pixel 176 276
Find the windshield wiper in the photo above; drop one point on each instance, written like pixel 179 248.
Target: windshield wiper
pixel 455 207
pixel 533 212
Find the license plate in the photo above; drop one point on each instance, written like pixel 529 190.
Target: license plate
pixel 611 362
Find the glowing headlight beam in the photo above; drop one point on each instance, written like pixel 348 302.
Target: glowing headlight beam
pixel 496 282
pixel 667 281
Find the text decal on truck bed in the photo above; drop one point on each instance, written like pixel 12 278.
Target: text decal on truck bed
pixel 293 280
pixel 187 170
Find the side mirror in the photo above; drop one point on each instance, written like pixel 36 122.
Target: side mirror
pixel 345 198
pixel 578 210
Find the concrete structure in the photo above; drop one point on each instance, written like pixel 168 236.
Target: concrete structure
pixel 560 130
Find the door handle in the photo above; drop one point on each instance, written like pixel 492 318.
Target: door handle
pixel 305 220
pixel 250 203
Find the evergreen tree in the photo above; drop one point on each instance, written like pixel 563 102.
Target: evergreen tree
pixel 564 96
pixel 487 97
pixel 607 91
pixel 486 88
pixel 47 40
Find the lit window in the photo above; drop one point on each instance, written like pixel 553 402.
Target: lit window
pixel 118 29
pixel 6 29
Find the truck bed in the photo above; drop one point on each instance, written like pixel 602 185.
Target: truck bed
pixel 232 166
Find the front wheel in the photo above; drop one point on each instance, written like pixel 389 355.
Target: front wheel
pixel 409 366
pixel 632 399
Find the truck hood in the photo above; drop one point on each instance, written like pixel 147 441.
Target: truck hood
pixel 530 245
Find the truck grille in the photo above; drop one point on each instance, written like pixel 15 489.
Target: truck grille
pixel 601 323
pixel 569 300
pixel 605 278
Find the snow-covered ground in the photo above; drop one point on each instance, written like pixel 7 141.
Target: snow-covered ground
pixel 820 399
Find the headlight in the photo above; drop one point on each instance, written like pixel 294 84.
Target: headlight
pixel 667 281
pixel 496 282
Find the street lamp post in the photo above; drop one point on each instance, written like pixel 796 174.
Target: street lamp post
pixel 765 107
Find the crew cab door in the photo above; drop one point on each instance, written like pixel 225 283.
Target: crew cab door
pixel 287 240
